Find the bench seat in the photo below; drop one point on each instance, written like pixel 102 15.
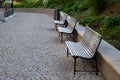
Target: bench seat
pixel 67 30
pixel 78 50
pixel 59 22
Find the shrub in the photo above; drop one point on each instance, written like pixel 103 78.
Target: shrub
pixel 53 5
pixel 78 6
pixel 90 21
pixel 99 5
pixel 112 36
pixel 111 30
pixel 27 4
pixel 111 27
pixel 67 8
pixel 111 21
pixel 83 5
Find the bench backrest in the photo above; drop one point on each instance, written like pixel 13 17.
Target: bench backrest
pixel 63 16
pixel 71 23
pixel 91 41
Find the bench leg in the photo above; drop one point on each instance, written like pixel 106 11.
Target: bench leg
pixel 74 38
pixel 61 37
pixel 59 33
pixel 96 66
pixel 74 65
pixel 56 27
pixel 67 52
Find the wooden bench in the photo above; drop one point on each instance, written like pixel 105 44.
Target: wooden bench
pixel 86 48
pixel 69 30
pixel 61 22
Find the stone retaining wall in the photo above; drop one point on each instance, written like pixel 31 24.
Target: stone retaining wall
pixel 36 10
pixel 108 58
pixel 2 14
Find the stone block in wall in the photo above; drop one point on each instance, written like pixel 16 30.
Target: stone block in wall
pixel 2 14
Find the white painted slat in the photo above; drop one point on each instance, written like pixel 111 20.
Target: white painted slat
pixel 66 30
pixel 58 22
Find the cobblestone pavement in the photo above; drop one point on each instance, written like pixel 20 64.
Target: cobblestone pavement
pixel 31 50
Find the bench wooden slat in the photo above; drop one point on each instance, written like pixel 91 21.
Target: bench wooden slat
pixel 76 48
pixel 91 40
pixel 67 30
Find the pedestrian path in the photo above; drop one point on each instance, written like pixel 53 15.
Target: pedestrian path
pixel 31 50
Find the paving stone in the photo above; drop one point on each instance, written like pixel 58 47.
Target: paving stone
pixel 31 50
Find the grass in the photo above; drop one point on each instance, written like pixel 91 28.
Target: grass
pixel 27 4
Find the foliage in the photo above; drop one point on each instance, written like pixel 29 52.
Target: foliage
pixel 19 0
pixel 89 21
pixel 111 30
pixel 27 3
pixel 99 5
pixel 51 4
pixel 83 5
pixel 111 27
pixel 111 35
pixel 78 6
pixel 112 21
pixel 67 8
pixel 59 3
pixel 26 0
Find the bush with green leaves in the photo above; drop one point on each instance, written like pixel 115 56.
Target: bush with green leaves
pixel 111 27
pixel 99 5
pixel 59 2
pixel 78 6
pixel 83 5
pixel 90 21
pixel 111 30
pixel 111 35
pixel 28 5
pixel 111 21
pixel 67 8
